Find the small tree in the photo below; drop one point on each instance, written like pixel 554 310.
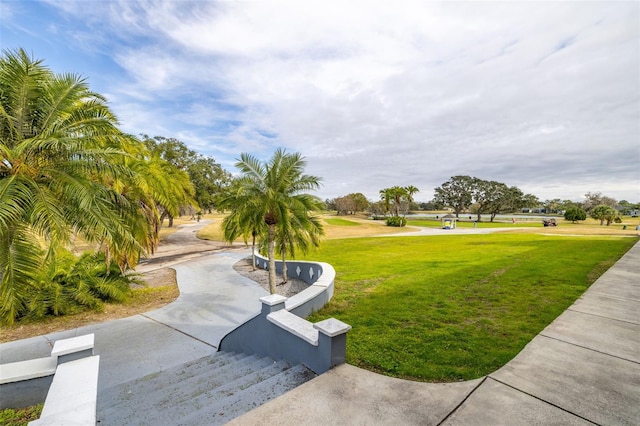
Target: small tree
pixel 604 212
pixel 575 214
pixel 360 201
pixel 275 192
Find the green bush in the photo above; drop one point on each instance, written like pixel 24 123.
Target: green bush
pixel 575 214
pixel 396 221
pixel 67 284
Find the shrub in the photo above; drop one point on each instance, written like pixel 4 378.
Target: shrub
pixel 68 284
pixel 575 214
pixel 396 221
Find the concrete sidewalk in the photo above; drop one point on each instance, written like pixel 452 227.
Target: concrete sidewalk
pixel 213 300
pixel 584 368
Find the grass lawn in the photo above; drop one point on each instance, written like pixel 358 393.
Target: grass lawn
pixel 340 222
pixel 354 226
pixel 20 416
pixel 456 307
pixel 586 227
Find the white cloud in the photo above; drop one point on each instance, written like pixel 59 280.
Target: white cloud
pixel 378 93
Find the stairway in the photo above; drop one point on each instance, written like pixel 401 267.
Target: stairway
pixel 208 391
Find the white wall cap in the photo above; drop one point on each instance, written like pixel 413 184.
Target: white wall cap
pixel 332 327
pixel 29 369
pixel 273 299
pixel 73 344
pixel 74 386
pixel 295 325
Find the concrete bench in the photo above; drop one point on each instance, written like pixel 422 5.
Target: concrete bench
pixel 72 398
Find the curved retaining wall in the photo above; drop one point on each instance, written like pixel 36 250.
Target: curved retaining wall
pixel 280 330
pixel 320 277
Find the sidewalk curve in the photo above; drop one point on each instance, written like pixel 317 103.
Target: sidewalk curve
pixel 213 300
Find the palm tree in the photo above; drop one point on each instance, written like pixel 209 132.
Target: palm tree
pixel 385 196
pixel 275 192
pixel 411 191
pixel 245 220
pixel 63 163
pixel 298 231
pixel 396 194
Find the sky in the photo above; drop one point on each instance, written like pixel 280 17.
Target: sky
pixel 541 95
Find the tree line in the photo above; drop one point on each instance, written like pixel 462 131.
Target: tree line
pixel 487 197
pixel 464 194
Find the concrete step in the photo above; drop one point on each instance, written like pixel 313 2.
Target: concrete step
pixel 252 397
pixel 197 390
pixel 201 399
pixel 160 380
pixel 152 392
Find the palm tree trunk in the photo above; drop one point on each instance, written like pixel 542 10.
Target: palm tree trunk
pixel 253 251
pixel 272 259
pixel 284 268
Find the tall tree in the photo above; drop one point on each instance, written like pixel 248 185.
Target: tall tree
pixel 397 197
pixel 297 232
pixel 604 213
pixel 595 199
pixel 207 177
pixel 276 192
pixel 385 197
pixel 63 163
pixel 246 218
pixel 411 191
pixel 574 214
pixel 360 201
pixel 455 193
pixel 484 194
pixel 505 200
pixel 398 194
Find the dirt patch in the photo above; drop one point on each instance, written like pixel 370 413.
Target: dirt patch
pixel 288 289
pixel 160 290
pixel 158 278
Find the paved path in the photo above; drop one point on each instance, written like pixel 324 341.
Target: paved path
pixel 213 300
pixel 584 368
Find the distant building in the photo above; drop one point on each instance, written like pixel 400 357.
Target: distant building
pixel 626 211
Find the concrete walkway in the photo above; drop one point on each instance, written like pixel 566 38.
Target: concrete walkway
pixel 584 368
pixel 213 300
